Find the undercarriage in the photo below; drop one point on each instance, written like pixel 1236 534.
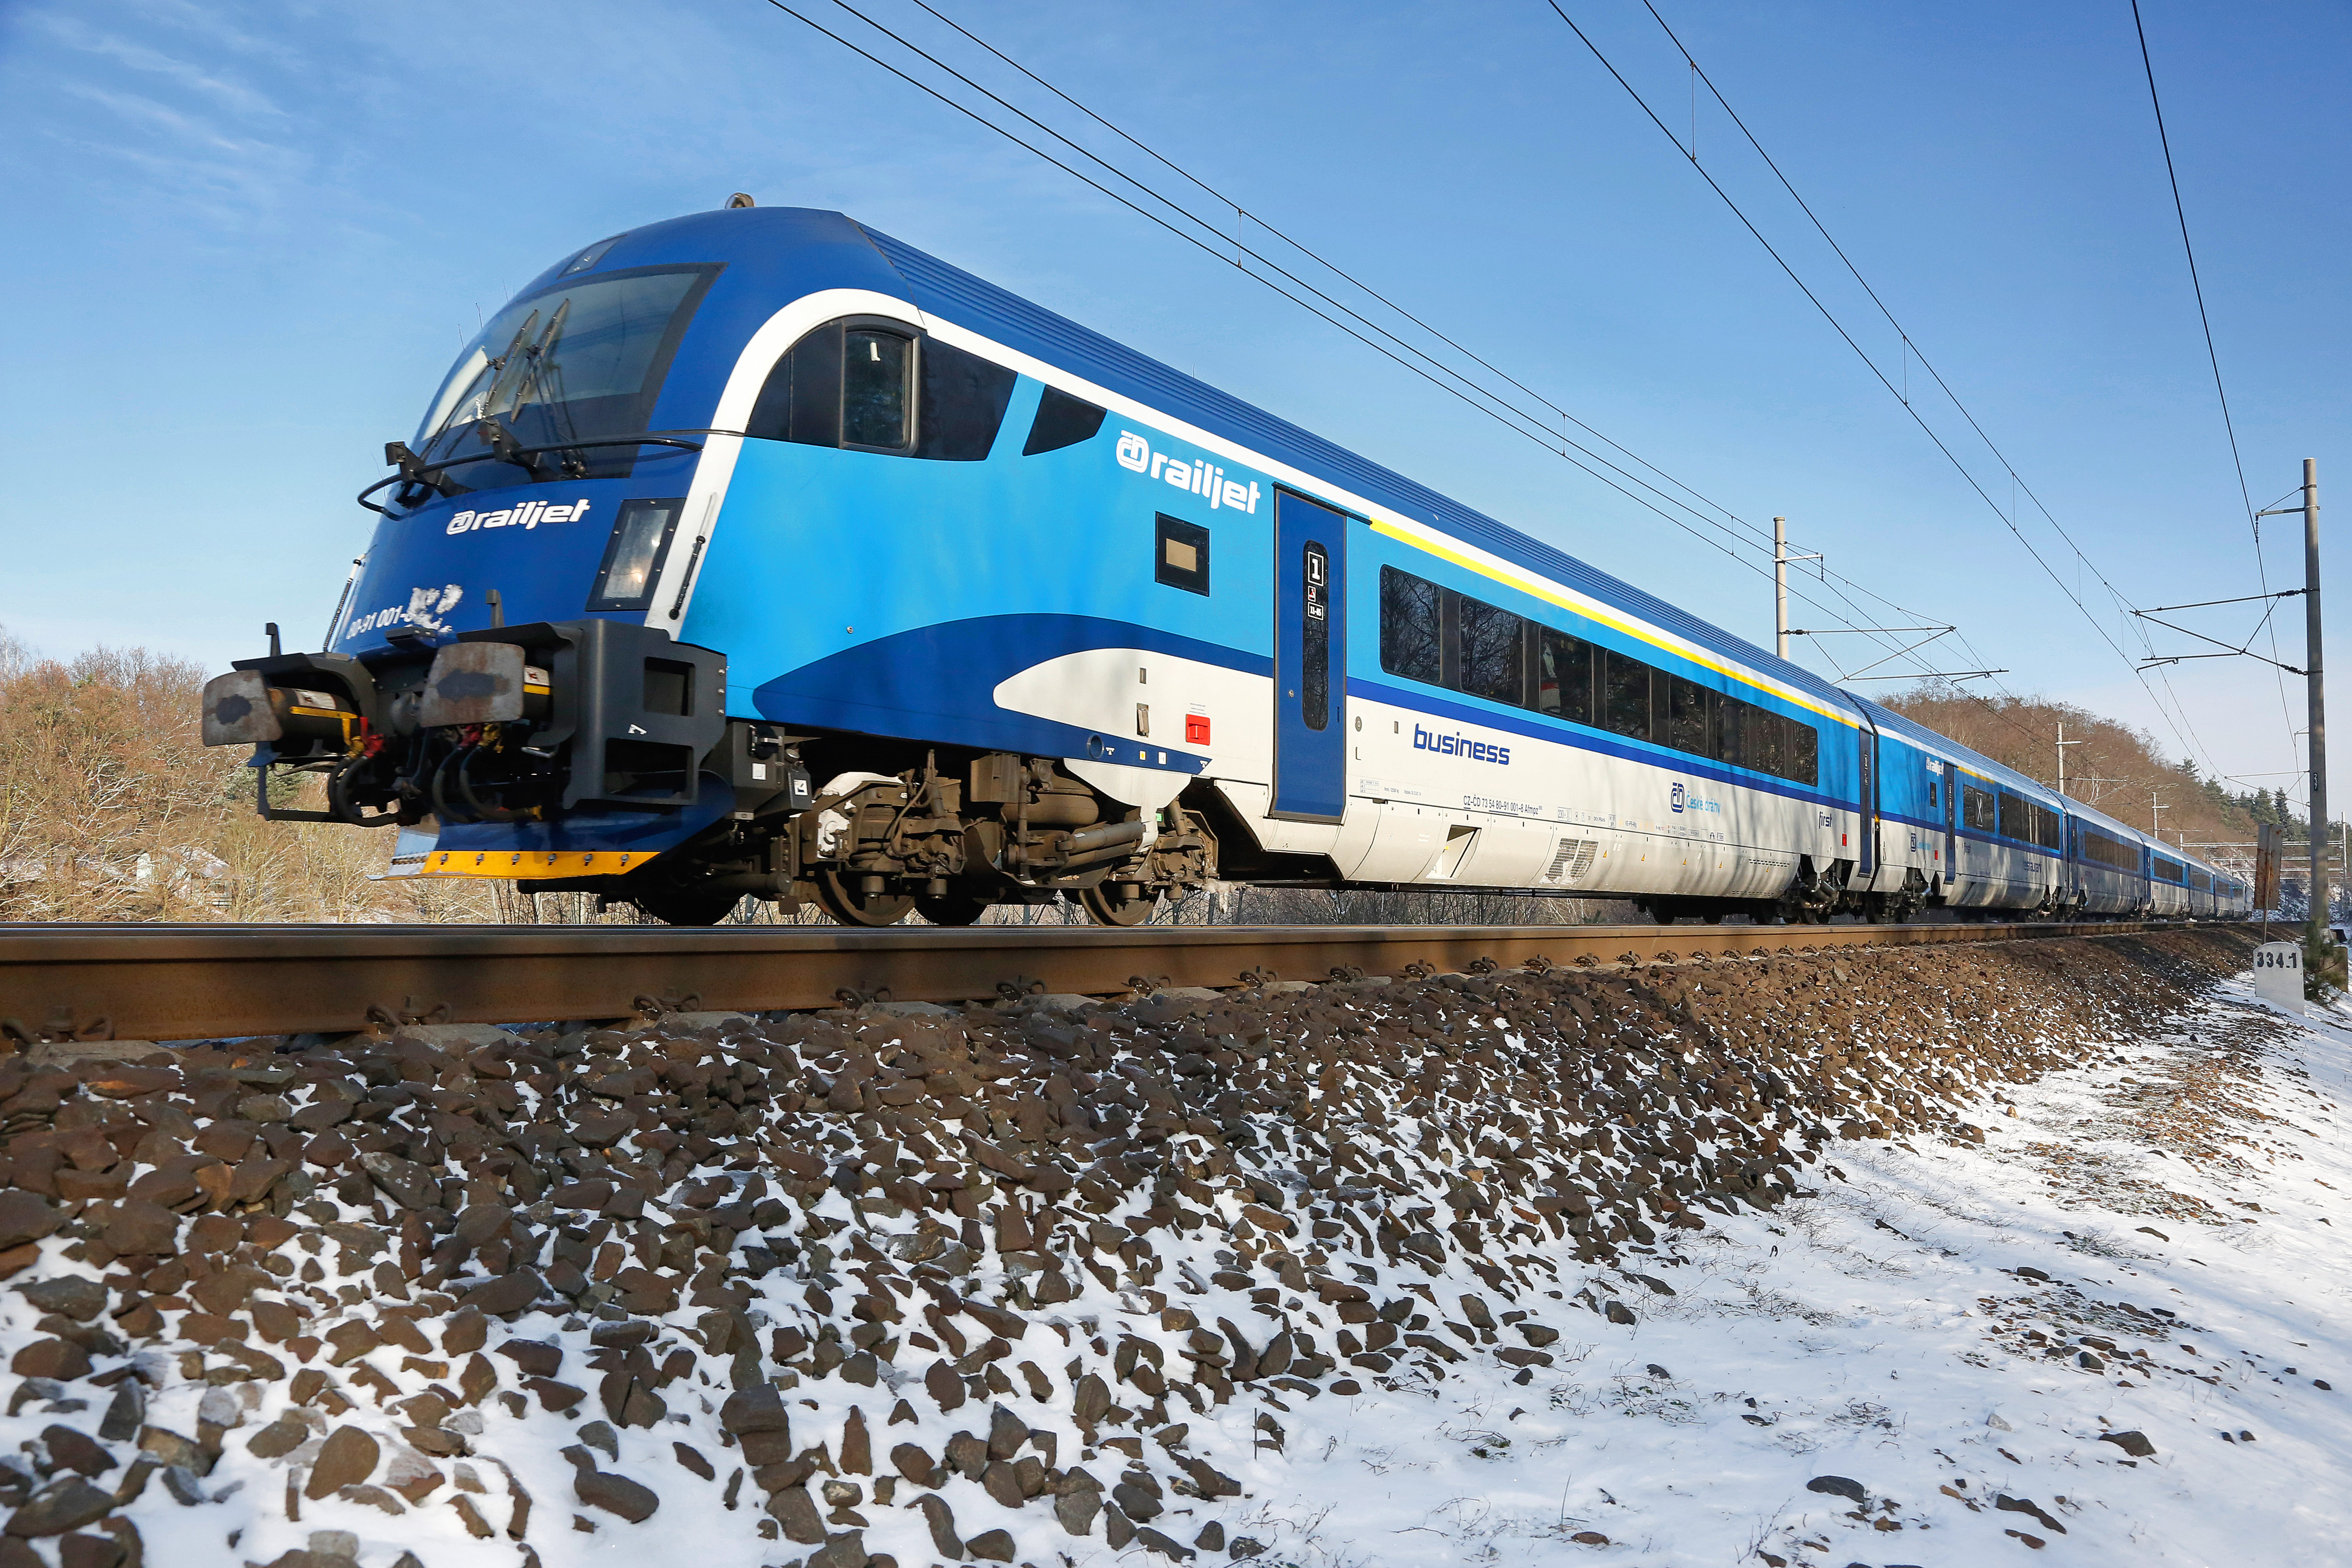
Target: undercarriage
pixel 611 735
pixel 945 838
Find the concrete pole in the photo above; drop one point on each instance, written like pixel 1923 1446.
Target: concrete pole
pixel 2312 656
pixel 1780 585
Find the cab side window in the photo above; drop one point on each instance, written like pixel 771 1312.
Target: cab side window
pixel 875 411
pixel 878 388
pixel 802 399
pixel 963 402
pixel 1062 421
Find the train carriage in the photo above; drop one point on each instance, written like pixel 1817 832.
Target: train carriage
pixel 757 552
pixel 2167 873
pixel 2106 863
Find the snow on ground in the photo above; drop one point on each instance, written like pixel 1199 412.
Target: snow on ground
pixel 1937 1343
pixel 1889 1331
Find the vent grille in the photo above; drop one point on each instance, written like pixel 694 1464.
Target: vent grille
pixel 1572 860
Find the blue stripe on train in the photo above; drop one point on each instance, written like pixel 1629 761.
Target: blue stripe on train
pixel 939 683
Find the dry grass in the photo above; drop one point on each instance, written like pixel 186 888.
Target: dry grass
pixel 111 809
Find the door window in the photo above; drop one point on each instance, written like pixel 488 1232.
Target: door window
pixel 1315 638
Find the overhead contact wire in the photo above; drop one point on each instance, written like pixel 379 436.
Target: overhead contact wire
pixel 1925 429
pixel 2212 357
pixel 1536 436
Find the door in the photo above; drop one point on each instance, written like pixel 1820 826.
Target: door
pixel 1951 825
pixel 1866 852
pixel 1310 661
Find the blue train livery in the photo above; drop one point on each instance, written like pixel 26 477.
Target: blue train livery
pixel 756 553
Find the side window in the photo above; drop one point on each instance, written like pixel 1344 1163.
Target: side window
pixel 1625 695
pixel 1492 653
pixel 1062 421
pixel 802 399
pixel 1435 634
pixel 1564 677
pixel 1768 742
pixel 1686 726
pixel 1735 727
pixel 1933 805
pixel 1779 744
pixel 878 390
pixel 873 400
pixel 1409 627
pixel 963 402
pixel 1803 761
pixel 1181 558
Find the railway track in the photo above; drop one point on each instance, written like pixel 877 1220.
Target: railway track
pixel 197 981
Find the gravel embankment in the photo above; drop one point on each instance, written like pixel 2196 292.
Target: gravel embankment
pixel 900 1286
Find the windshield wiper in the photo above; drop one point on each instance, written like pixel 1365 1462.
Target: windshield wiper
pixel 433 474
pixel 414 471
pixel 505 449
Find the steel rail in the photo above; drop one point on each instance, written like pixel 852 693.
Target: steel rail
pixel 197 981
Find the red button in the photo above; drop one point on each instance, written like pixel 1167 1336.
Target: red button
pixel 1196 729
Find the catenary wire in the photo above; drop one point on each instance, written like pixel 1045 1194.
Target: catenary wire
pixel 1543 439
pixel 1466 385
pixel 2178 724
pixel 2191 738
pixel 2212 356
pixel 1536 435
pixel 1244 249
pixel 2182 729
pixel 1326 262
pixel 1186 215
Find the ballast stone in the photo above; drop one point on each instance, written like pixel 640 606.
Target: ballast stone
pixel 718 1145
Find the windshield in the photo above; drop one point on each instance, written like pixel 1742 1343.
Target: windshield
pixel 577 363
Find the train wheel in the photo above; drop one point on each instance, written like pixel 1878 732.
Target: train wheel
pixel 686 906
pixel 1107 909
pixel 952 910
pixel 844 902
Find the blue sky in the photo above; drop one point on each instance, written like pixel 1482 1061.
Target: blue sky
pixel 248 238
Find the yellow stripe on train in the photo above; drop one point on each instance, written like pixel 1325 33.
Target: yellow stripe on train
pixel 527 864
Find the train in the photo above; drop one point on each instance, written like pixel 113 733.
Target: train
pixel 756 553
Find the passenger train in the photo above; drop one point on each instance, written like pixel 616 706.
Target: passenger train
pixel 757 553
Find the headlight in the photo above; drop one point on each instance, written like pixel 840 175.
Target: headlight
pixel 632 558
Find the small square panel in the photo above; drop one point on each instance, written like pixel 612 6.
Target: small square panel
pixel 1180 555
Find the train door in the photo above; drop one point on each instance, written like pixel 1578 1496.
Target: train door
pixel 1951 826
pixel 1310 662
pixel 1866 852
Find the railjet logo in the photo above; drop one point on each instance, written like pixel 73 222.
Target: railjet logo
pixel 1460 746
pixel 528 516
pixel 1200 475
